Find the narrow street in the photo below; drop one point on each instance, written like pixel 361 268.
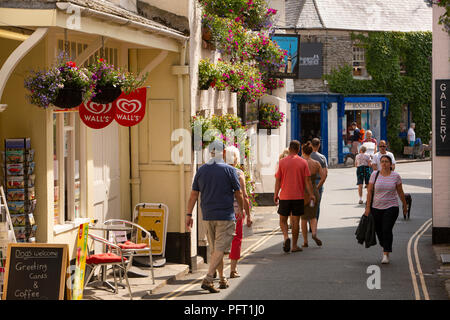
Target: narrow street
pixel 340 269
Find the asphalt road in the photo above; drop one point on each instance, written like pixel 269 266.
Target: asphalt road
pixel 341 268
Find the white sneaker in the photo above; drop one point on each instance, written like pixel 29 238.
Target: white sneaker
pixel 385 259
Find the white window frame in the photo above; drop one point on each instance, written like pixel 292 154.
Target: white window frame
pixel 359 61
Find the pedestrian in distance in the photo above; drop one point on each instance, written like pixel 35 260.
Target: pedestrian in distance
pixel 232 157
pixel 292 178
pixel 412 137
pixel 310 205
pixel 218 185
pixel 316 155
pixel 382 202
pixel 377 156
pixel 368 141
pixel 283 155
pixel 355 138
pixel 363 171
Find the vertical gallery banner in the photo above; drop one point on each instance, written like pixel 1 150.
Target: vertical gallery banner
pixel 442 115
pixel 311 60
pixel 290 43
pixel 96 115
pixel 80 266
pixel 130 109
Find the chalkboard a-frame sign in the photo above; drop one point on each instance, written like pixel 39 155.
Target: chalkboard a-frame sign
pixel 35 271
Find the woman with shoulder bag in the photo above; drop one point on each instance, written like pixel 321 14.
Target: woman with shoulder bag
pixel 382 203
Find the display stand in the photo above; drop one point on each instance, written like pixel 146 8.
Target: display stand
pixel 19 181
pixel 6 235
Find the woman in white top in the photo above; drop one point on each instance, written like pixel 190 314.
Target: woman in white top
pixel 385 185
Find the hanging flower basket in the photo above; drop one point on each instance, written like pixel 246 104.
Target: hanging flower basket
pixel 270 117
pixel 64 85
pixel 106 94
pixel 68 98
pixel 110 81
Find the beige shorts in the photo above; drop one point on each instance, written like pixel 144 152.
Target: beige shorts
pixel 220 234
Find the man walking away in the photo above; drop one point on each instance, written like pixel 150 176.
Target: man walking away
pixel 315 155
pixel 218 185
pixel 292 178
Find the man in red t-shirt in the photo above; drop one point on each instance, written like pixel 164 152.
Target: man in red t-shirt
pixel 292 179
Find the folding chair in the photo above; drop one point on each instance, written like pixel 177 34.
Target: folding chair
pixel 114 259
pixel 132 249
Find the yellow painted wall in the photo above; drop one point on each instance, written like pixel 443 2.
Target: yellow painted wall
pixel 160 179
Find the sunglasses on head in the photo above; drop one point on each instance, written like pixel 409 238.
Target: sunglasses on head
pixel 382 146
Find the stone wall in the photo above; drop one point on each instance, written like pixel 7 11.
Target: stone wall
pixel 337 51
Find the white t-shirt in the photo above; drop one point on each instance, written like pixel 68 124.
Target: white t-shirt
pixel 377 156
pixel 411 135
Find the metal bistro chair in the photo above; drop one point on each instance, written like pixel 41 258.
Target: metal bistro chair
pixel 114 259
pixel 132 249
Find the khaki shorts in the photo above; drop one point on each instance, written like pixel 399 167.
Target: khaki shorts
pixel 220 234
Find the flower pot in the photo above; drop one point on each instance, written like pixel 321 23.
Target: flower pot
pixel 106 94
pixel 68 98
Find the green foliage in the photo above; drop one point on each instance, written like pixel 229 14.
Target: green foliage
pixel 385 52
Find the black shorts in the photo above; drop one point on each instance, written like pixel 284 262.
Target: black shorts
pixel 296 207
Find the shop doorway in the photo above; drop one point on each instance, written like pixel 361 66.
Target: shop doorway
pixel 309 120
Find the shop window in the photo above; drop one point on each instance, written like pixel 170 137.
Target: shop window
pixel 67 156
pixel 359 61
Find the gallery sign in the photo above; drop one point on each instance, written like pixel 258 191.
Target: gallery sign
pixel 442 114
pixel 290 43
pixel 311 60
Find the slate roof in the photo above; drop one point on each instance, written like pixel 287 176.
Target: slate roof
pixel 98 5
pixel 363 15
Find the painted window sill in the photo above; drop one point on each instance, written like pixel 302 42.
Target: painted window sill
pixel 69 225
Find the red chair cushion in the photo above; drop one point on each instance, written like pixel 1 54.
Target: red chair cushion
pixel 132 245
pixel 103 258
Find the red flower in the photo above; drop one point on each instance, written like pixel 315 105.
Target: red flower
pixel 71 64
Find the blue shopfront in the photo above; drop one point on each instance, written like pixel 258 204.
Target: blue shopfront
pixel 328 116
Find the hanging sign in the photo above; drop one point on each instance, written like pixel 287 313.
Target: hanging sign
pixel 130 109
pixel 96 115
pixel 290 43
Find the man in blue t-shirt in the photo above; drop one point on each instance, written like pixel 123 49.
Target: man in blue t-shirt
pixel 217 183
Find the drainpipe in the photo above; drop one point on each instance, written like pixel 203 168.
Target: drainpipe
pixel 181 125
pixel 135 180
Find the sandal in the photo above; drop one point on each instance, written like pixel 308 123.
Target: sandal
pixel 317 240
pixel 234 274
pixel 298 249
pixel 287 245
pixel 223 283
pixel 305 245
pixel 209 285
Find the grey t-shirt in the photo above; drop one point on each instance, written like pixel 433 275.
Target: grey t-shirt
pixel 321 158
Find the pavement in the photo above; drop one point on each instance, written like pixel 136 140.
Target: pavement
pixel 143 288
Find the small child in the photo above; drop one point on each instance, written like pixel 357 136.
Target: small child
pixel 363 170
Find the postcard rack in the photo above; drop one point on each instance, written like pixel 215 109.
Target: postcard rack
pixel 19 179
